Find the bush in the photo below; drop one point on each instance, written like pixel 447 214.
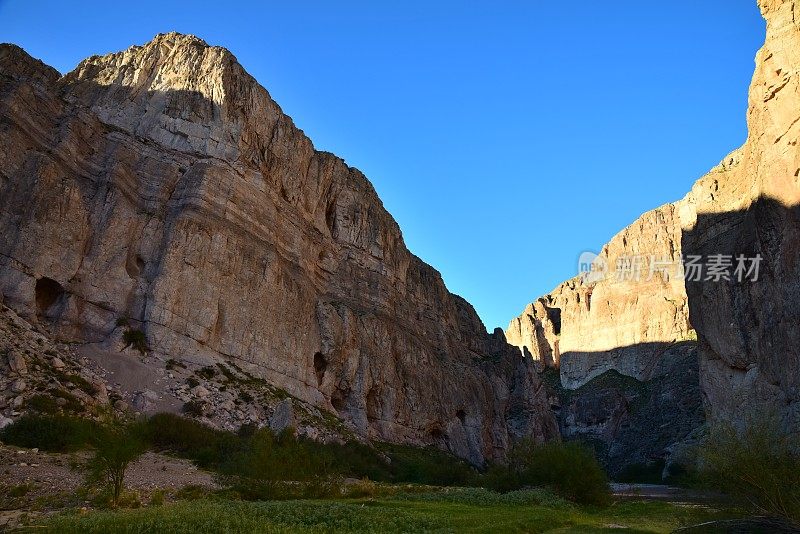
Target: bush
pixel 428 466
pixel 641 473
pixel 569 469
pixel 43 404
pixel 279 467
pixel 193 408
pixel 206 446
pixel 52 433
pixel 206 372
pixel 759 466
pixel 116 445
pixel 136 339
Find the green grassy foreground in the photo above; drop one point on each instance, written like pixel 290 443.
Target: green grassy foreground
pixel 394 514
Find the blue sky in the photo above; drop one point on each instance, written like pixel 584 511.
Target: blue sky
pixel 505 139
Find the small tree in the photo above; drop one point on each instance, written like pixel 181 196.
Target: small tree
pixel 757 464
pixel 116 445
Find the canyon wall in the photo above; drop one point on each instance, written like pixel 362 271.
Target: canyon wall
pixel 749 331
pixel 161 188
pixel 621 316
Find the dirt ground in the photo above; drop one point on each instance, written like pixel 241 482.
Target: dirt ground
pixel 33 482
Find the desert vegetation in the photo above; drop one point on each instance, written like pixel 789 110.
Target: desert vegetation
pixel 268 482
pixel 757 464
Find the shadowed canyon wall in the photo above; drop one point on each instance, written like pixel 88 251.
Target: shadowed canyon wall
pixel 749 333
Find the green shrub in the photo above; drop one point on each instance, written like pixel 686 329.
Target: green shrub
pixel 43 404
pixel 279 467
pixel 194 408
pixel 569 469
pixel 206 372
pixel 192 492
pixel 428 466
pixel 173 364
pixel 157 498
pixel 52 433
pixel 759 466
pixel 206 446
pixel 640 473
pixel 136 339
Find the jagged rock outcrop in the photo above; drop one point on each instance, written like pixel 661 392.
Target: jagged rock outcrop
pixel 163 186
pixel 38 374
pixel 623 316
pixel 749 331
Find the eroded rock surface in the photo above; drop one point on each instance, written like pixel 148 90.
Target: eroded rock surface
pixel 749 332
pixel 163 187
pixel 620 319
pixel 640 430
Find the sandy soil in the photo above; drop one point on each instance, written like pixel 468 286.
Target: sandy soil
pixel 33 482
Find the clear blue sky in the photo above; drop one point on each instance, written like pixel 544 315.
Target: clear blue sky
pixel 504 140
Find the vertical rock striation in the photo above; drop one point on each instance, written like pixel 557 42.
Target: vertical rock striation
pixel 163 185
pixel 749 332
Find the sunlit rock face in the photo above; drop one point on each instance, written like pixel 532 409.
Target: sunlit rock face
pixel 621 317
pixel 749 332
pixel 163 185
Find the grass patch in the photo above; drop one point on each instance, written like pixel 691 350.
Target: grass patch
pixel 384 515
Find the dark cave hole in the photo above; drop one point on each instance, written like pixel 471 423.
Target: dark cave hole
pixel 48 294
pixel 554 314
pixel 320 365
pixel 461 415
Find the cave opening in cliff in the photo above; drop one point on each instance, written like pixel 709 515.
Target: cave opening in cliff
pixel 320 365
pixel 554 314
pixel 49 294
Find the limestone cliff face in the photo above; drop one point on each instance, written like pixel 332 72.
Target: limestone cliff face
pixel 163 185
pixel 749 332
pixel 622 318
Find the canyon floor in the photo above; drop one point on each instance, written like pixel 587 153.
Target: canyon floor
pixel 44 491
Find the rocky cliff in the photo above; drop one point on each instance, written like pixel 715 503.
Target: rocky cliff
pixel 749 331
pixel 747 324
pixel 160 196
pixel 618 341
pixel 621 316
